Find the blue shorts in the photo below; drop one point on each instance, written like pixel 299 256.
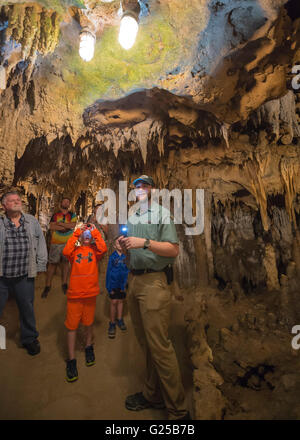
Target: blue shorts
pixel 117 294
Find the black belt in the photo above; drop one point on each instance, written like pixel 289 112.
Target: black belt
pixel 143 271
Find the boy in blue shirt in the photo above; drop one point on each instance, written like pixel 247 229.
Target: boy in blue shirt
pixel 116 280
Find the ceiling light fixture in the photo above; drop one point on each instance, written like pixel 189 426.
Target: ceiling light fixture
pixel 87 44
pixel 129 23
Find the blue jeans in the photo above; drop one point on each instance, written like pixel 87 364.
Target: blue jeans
pixel 23 287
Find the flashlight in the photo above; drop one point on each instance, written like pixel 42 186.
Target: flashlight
pixel 124 230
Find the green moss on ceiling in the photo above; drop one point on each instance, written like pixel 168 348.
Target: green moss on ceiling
pixel 114 71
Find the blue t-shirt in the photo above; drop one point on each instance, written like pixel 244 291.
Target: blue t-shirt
pixel 117 272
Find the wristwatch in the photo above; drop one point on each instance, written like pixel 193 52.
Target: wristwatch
pixel 146 244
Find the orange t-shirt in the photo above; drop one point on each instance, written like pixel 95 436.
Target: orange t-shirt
pixel 84 282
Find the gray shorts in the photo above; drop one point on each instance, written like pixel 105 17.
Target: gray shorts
pixel 55 254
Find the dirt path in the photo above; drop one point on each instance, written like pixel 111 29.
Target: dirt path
pixel 35 387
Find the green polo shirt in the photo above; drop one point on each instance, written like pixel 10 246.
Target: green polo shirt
pixel 139 225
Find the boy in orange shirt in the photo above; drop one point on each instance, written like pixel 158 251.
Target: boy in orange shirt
pixel 82 291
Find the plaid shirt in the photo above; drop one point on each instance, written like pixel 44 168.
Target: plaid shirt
pixel 16 250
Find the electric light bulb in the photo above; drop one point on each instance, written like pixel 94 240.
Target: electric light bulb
pixel 128 31
pixel 87 45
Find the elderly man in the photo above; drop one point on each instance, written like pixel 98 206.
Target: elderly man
pixel 152 250
pixel 23 253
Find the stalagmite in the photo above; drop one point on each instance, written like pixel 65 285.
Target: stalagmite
pixel 270 267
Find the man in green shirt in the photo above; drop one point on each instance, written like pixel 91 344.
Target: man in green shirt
pixel 152 245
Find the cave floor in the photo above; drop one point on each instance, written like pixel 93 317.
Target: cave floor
pixel 35 387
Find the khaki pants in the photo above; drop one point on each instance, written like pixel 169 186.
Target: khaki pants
pixel 149 302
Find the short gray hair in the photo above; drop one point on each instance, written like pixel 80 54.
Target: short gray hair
pixel 9 193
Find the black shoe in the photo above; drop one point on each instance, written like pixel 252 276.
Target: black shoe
pixel 45 292
pixel 33 348
pixel 72 373
pixel 121 325
pixel 89 356
pixel 112 330
pixel 137 402
pixel 187 416
pixel 64 288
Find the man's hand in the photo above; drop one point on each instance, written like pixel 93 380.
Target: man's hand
pixel 131 242
pixel 56 226
pixel 120 242
pixel 70 225
pixel 162 248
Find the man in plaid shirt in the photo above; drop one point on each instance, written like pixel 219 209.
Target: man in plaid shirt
pixel 23 253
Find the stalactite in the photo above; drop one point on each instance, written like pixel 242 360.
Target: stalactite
pixel 281 115
pixel 142 132
pixel 254 170
pixel 225 132
pixel 31 31
pixel 289 169
pixel 33 27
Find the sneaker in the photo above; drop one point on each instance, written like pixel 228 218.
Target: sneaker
pixel 72 373
pixel 89 356
pixel 112 330
pixel 121 324
pixel 33 348
pixel 45 292
pixel 64 288
pixel 137 402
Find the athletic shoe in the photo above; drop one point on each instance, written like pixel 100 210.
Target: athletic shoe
pixel 33 348
pixel 112 330
pixel 45 292
pixel 121 324
pixel 64 288
pixel 89 356
pixel 137 402
pixel 72 373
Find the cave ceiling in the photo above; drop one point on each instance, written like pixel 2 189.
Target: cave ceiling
pixel 198 67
